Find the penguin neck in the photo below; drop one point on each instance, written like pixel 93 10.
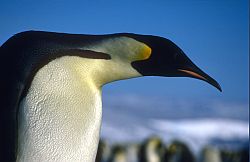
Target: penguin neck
pixel 60 117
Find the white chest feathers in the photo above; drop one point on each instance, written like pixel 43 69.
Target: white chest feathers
pixel 60 118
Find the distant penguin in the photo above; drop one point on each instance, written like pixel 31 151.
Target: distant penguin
pixel 118 154
pixel 210 153
pixel 179 152
pixel 103 151
pixel 152 150
pixel 235 155
pixel 132 151
pixel 50 88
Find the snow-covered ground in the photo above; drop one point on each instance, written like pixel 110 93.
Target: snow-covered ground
pixel 133 118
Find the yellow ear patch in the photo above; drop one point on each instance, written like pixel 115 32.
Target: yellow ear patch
pixel 146 52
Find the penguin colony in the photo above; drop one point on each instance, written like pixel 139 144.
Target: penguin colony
pixel 154 149
pixel 51 83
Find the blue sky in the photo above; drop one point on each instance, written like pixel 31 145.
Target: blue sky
pixel 214 34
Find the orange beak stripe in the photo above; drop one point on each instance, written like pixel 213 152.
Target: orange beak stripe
pixel 193 74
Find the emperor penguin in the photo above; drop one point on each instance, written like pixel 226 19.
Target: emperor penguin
pixel 132 152
pixel 50 88
pixel 103 151
pixel 118 154
pixel 178 151
pixel 152 150
pixel 210 153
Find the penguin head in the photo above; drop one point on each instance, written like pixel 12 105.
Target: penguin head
pixel 168 60
pixel 133 55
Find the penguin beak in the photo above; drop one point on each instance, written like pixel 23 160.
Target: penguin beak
pixel 174 64
pixel 195 72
